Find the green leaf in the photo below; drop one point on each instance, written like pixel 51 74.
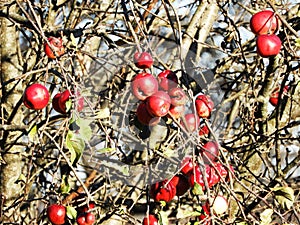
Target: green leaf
pixel 71 212
pixel 163 218
pixel 64 186
pixel 266 217
pixel 75 145
pixel 197 189
pixel 186 213
pixel 285 196
pixel 85 130
pixel 105 150
pixel 298 42
pixel 68 105
pixel 32 133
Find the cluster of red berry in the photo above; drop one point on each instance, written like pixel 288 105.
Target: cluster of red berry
pixel 36 96
pixel 265 24
pixel 162 96
pixel 56 214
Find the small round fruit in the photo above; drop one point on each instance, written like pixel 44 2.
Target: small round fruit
pixel 163 191
pixel 143 60
pixel 158 104
pixel 268 45
pixel 87 218
pixel 36 97
pixel 167 80
pixel 56 214
pixel 210 151
pixel 144 117
pixel 56 45
pixel 150 220
pixel 275 95
pixel 177 111
pixel 144 85
pixel 220 205
pixel 191 122
pixel 264 22
pixel 178 96
pixel 204 106
pixel 204 131
pixel 55 104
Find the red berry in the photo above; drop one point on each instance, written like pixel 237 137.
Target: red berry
pixel 187 165
pixel 144 117
pixel 167 80
pixel 143 60
pixel 36 97
pixel 57 46
pixel 163 191
pixel 158 104
pixel 210 151
pixel 87 218
pixel 268 45
pixel 264 22
pixel 177 111
pixel 181 183
pixel 178 96
pixel 190 122
pixel 56 214
pixel 274 96
pixel 144 85
pixel 204 106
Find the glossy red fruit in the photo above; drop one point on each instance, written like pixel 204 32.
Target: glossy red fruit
pixel 144 117
pixel 210 151
pixel 275 95
pixel 57 46
pixel 163 191
pixel 187 165
pixel 144 85
pixel 191 122
pixel 55 104
pixel 178 96
pixel 181 183
pixel 177 111
pixel 36 96
pixel 150 220
pixel 158 104
pixel 56 214
pixel 167 80
pixel 212 176
pixel 264 22
pixel 143 60
pixel 268 45
pixel 86 208
pixel 87 218
pixel 205 214
pixel 204 106
pixel 64 97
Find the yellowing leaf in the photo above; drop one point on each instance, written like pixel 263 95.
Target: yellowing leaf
pixel 284 196
pixel 32 133
pixel 197 189
pixel 266 217
pixel 163 218
pixel 75 145
pixel 71 212
pixel 298 42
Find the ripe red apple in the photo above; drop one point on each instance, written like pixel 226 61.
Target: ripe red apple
pixel 268 45
pixel 163 191
pixel 204 106
pixel 187 165
pixel 144 85
pixel 220 205
pixel 167 80
pixel 150 220
pixel 56 214
pixel 144 117
pixel 275 95
pixel 264 22
pixel 181 183
pixel 55 103
pixel 87 218
pixel 178 96
pixel 158 104
pixel 190 122
pixel 177 111
pixel 56 45
pixel 209 151
pixel 36 96
pixel 143 60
